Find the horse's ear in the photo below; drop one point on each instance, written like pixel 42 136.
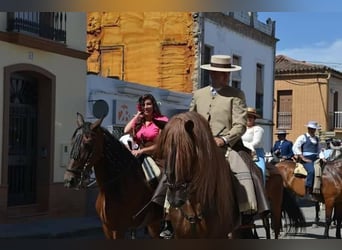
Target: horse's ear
pixel 189 126
pixel 97 123
pixel 80 120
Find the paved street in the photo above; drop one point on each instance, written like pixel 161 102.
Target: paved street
pixel 310 232
pixel 90 228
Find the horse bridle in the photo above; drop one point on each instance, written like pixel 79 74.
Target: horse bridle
pixel 81 174
pixel 182 188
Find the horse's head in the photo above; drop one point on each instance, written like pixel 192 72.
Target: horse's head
pixel 85 150
pixel 179 181
pixel 198 176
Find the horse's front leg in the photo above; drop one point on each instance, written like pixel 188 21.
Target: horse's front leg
pixel 338 219
pixel 112 234
pixel 317 210
pixel 329 205
pixel 338 228
pixel 266 223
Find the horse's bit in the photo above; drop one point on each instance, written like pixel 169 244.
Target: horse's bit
pixel 177 196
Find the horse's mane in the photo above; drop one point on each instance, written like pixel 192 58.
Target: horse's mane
pixel 116 153
pixel 198 161
pixel 117 159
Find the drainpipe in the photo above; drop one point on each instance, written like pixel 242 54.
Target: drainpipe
pixel 328 101
pixel 274 56
pixel 200 48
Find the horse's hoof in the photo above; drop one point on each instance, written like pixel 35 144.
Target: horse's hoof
pixel 67 184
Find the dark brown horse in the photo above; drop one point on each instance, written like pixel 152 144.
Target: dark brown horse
pixel 201 191
pixel 123 191
pixel 331 190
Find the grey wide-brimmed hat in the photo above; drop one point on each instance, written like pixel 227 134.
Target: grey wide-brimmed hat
pixel 222 63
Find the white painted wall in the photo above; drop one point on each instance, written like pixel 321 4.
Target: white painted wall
pixel 70 88
pixel 3 21
pixel 70 80
pixel 125 95
pixel 225 41
pixel 76 28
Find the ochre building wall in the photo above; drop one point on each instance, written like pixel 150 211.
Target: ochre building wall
pixel 157 49
pixel 309 103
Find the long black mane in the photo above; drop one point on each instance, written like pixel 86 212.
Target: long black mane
pixel 118 157
pixel 117 160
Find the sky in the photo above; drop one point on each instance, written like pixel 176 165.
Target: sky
pixel 315 37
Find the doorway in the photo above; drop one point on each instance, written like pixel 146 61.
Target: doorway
pixel 28 141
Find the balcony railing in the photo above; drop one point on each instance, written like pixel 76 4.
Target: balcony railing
pixel 284 120
pixel 50 25
pixel 336 120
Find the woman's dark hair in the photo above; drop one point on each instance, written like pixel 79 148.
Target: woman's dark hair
pixel 156 112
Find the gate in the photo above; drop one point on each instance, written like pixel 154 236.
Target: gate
pixel 22 158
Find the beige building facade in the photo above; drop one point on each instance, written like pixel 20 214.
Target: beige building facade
pixel 43 71
pixel 306 92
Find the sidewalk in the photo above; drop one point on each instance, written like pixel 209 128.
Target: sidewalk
pixel 51 228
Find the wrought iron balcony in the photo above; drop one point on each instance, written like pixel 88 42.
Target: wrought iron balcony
pixel 284 120
pixel 335 120
pixel 49 25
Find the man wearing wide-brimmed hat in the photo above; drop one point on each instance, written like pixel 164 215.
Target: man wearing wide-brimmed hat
pixel 307 148
pixel 225 109
pixel 282 148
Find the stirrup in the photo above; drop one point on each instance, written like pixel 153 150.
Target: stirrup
pixel 92 183
pixel 167 231
pixel 166 234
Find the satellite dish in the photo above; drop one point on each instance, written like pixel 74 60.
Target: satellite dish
pixel 100 109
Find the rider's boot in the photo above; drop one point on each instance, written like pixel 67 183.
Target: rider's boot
pixel 308 194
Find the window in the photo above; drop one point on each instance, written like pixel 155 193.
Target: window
pixel 259 95
pixel 337 114
pixel 112 62
pixel 236 75
pixel 284 109
pixel 208 51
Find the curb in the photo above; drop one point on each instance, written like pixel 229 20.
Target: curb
pixel 59 235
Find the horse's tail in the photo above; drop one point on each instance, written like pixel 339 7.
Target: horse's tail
pixel 293 212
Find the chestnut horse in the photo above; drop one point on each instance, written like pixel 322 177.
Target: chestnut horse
pixel 200 182
pixel 331 190
pixel 123 191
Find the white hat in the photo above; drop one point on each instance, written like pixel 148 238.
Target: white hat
pixel 281 132
pixel 221 63
pixel 313 124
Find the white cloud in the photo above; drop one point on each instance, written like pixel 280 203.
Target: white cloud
pixel 318 53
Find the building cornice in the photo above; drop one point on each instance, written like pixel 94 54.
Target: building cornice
pixel 240 27
pixel 42 44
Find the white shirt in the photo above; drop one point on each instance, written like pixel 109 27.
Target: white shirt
pixel 252 138
pixel 297 146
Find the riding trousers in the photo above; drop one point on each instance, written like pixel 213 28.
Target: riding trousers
pixel 261 162
pixel 309 167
